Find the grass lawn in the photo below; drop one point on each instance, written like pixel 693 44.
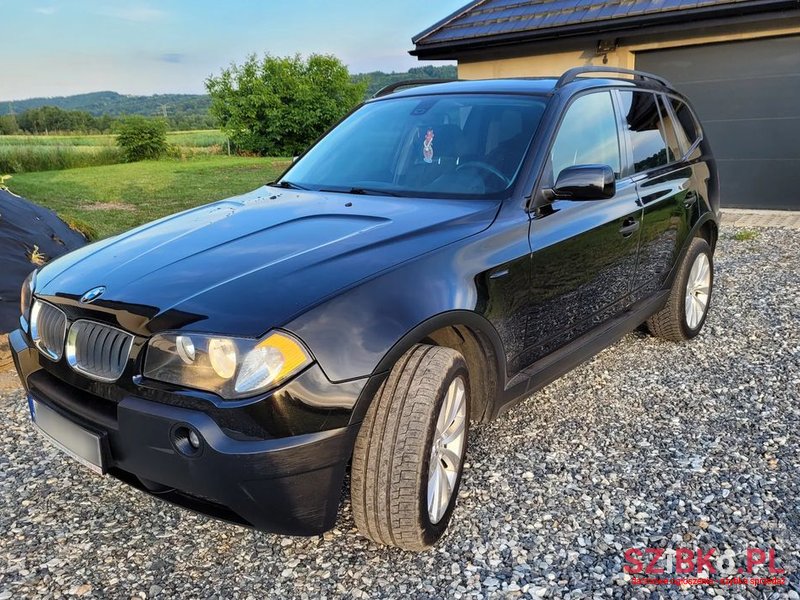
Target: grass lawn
pixel 196 138
pixel 103 201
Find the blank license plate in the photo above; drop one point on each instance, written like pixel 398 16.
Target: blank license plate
pixel 75 441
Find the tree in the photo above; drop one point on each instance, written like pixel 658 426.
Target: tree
pixel 8 125
pixel 141 138
pixel 278 106
pixel 378 79
pixel 51 119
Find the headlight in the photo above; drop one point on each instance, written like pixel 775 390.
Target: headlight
pixel 26 299
pixel 230 367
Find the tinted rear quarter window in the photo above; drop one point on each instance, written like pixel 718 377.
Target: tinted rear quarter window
pixel 686 119
pixel 642 121
pixel 677 144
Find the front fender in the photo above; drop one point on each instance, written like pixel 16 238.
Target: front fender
pixel 364 330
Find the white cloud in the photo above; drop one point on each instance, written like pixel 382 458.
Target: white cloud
pixel 46 10
pixel 139 14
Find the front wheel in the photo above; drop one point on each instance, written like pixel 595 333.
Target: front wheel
pixel 409 454
pixel 685 313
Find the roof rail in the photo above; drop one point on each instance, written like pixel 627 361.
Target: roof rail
pixel 393 87
pixel 573 74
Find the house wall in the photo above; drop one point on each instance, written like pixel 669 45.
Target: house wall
pixel 543 60
pixel 540 64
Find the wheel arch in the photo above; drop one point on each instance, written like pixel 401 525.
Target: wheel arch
pixel 709 231
pixel 469 333
pixel 707 228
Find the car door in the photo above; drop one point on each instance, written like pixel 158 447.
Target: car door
pixel 583 252
pixel 664 183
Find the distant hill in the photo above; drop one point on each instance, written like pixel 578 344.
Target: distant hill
pixel 114 104
pixel 379 79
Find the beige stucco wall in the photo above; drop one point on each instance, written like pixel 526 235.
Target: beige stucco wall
pixel 541 62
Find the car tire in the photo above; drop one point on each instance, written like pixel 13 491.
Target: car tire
pixel 686 309
pixel 401 448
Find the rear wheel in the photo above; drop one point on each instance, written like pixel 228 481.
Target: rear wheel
pixel 685 312
pixel 409 454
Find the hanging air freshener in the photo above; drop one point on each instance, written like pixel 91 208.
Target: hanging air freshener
pixel 427 147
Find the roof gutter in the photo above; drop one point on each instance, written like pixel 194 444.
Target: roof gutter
pixel 664 21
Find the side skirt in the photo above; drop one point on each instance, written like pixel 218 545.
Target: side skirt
pixel 554 365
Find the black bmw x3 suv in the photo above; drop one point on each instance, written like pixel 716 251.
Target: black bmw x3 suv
pixel 443 252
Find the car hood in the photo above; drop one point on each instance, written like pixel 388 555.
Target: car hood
pixel 245 265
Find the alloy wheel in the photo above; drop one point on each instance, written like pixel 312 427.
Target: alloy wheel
pixel 447 450
pixel 698 288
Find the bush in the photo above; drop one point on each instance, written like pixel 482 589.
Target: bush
pixel 278 106
pixel 141 138
pixel 8 125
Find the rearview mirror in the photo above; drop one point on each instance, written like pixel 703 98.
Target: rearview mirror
pixel 585 182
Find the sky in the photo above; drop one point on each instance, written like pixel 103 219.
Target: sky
pixel 64 47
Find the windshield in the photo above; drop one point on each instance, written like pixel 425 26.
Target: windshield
pixel 451 146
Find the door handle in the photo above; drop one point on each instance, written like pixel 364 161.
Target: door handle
pixel 690 200
pixel 629 227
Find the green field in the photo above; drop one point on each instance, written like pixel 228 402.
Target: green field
pixel 200 138
pixel 197 139
pixel 27 153
pixel 103 201
pixel 57 140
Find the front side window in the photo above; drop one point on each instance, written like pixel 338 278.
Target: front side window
pixel 454 146
pixel 648 140
pixel 587 135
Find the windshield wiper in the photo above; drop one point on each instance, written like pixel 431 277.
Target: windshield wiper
pixel 360 191
pixel 287 185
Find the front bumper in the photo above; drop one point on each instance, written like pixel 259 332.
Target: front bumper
pixel 290 485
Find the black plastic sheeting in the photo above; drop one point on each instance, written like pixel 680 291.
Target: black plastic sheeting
pixel 23 226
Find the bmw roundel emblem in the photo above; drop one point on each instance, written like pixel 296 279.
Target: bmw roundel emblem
pixel 93 294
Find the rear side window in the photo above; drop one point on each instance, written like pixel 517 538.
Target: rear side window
pixel 588 135
pixel 686 119
pixel 677 144
pixel 648 140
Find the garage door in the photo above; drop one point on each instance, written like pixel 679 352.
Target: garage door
pixel 747 95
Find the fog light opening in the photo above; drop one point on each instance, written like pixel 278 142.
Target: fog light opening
pixel 187 440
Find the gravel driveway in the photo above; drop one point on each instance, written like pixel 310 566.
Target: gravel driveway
pixel 650 444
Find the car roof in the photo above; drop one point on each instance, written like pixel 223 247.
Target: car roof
pixel 521 85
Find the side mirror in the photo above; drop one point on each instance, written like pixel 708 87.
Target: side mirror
pixel 585 182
